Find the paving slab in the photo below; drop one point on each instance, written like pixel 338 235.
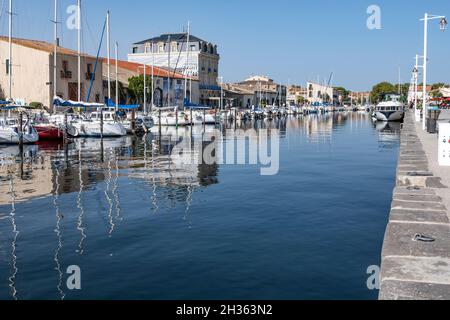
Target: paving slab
pixel 418 216
pixel 415 205
pixel 399 240
pixel 409 290
pixel 428 270
pixel 414 190
pixel 417 197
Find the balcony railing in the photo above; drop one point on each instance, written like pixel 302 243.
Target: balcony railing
pixel 66 74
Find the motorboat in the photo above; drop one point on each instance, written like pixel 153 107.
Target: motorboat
pixel 392 109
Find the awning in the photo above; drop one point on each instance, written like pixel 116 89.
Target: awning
pixel 58 102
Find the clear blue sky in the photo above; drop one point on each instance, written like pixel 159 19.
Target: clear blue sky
pixel 289 40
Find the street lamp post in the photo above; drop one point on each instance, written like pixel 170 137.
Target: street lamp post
pixel 221 93
pixel 416 78
pixel 443 25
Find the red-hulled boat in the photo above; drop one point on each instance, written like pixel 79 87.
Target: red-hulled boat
pixel 49 132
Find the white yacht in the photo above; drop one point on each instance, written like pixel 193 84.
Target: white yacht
pixel 390 110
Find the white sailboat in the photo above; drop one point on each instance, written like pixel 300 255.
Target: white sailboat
pixel 12 133
pixel 103 122
pixel 94 126
pixel 170 116
pixel 11 130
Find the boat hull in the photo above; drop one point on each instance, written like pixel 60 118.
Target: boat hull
pixel 93 129
pixel 9 136
pixel 389 116
pixel 171 121
pixel 49 132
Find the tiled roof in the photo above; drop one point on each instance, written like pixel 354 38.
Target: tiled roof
pixel 43 46
pixel 138 68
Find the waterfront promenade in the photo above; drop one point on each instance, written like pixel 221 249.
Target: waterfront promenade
pixel 416 251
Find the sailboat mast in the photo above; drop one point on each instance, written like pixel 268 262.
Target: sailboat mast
pixel 55 68
pixel 79 48
pixel 10 48
pixel 168 73
pixel 108 49
pixel 117 77
pixel 187 60
pixel 145 88
pixel 153 76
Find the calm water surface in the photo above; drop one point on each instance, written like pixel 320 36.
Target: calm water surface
pixel 142 226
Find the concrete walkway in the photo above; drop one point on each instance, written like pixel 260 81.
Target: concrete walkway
pixel 416 251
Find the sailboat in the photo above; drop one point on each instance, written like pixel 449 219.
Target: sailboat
pixel 170 116
pixel 92 125
pixel 101 123
pixel 14 131
pixel 46 129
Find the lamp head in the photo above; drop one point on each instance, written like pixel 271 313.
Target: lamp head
pixel 443 24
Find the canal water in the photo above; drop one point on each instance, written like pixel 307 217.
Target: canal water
pixel 142 225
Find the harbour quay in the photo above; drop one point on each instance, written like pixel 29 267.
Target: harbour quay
pixel 416 250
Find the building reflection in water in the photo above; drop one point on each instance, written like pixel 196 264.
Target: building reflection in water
pixel 85 165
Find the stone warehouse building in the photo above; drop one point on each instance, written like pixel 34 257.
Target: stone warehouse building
pixel 32 73
pixel 203 60
pixel 265 90
pixel 127 70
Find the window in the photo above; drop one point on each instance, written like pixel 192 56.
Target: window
pixel 97 97
pixel 65 65
pixel 135 49
pixel 147 48
pixel 7 66
pixel 89 68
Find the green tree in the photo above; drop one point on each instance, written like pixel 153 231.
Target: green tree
pixel 344 93
pixel 301 100
pixel 438 86
pixel 382 89
pixel 122 92
pixel 136 88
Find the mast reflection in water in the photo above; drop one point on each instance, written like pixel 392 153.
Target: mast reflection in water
pixel 141 223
